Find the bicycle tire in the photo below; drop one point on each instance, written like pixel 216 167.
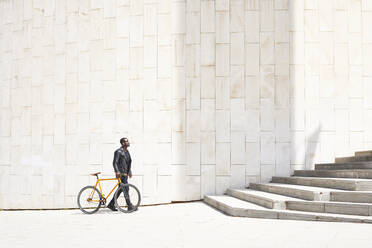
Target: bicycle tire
pixel 94 207
pixel 135 198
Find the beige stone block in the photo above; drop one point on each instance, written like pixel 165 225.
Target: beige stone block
pixel 136 31
pixel 223 159
pixel 326 114
pixel 326 15
pixel 238 117
pixel 178 148
pixel 136 63
pixel 164 29
pixel 208 49
pixel 122 51
pixel 193 125
pixel 164 7
pixel 252 59
pixel 341 59
pixel 208 179
pixel 149 19
pixel 179 50
pixel 297 82
pixel 356 83
pixel 252 158
pixel 222 126
pixel 208 148
pixel 237 49
pixel 178 17
pixel 252 4
pixel 193 27
pixel 96 55
pixel 71 118
pixel 208 115
pixel 122 23
pixel 184 187
pixel 237 179
pixel 312 59
pixel 222 93
pixel 109 34
pixel 253 125
pixel 282 91
pixel 222 184
pixel 193 93
pixel 237 82
pixel 267 48
pixel 297 10
pixel 222 27
pixel 356 141
pixel 367 82
pixel 193 159
pixel 341 23
pixel 164 62
pixel 192 62
pixel 367 33
pixel 267 148
pixel 252 26
pixel 267 15
pixel 355 48
pixel 281 4
pixel 252 92
pixel 238 148
pixel 109 8
pixel 222 60
pixel 208 82
pixel 222 5
pixel 297 47
pixel 282 125
pixel 356 114
pixel 179 115
pixel 207 16
pixel 311 25
pixel 237 16
pixel 164 90
pixel 267 114
pixel 179 82
pixel 281 26
pixel 326 81
pixel 5 121
pixel 267 82
pixel 355 21
pixel 367 60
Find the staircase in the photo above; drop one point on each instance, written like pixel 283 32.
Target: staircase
pixel 338 192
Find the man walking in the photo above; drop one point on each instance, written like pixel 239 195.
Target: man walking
pixel 122 166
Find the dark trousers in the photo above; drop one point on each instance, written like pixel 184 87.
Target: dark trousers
pixel 124 179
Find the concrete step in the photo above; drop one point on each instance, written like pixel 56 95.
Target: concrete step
pixel 344 166
pixel 268 200
pixel 235 207
pixel 334 183
pixel 314 193
pixel 351 196
pixel 362 209
pixel 367 174
pixel 296 191
pixel 363 153
pixel 353 159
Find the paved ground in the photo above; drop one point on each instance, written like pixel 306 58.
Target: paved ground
pixel 175 225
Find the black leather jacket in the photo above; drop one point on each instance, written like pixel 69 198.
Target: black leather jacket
pixel 122 161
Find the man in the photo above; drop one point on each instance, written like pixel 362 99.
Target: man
pixel 122 166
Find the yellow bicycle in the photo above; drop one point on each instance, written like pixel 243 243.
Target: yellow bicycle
pixel 90 198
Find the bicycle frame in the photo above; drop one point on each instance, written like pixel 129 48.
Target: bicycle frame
pixel 100 188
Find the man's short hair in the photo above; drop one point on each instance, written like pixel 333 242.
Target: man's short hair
pixel 122 140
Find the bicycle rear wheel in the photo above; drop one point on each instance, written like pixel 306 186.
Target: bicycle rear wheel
pixel 89 200
pixel 127 198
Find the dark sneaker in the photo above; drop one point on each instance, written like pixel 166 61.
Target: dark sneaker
pixel 112 208
pixel 131 207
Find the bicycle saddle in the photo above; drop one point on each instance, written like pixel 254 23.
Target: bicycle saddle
pixel 95 174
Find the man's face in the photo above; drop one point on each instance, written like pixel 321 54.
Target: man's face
pixel 126 143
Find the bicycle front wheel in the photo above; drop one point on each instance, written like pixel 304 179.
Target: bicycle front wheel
pixel 127 198
pixel 89 200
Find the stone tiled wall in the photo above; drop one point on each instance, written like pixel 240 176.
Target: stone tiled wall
pixel 211 94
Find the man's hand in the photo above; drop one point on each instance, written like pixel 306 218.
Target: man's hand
pixel 118 175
